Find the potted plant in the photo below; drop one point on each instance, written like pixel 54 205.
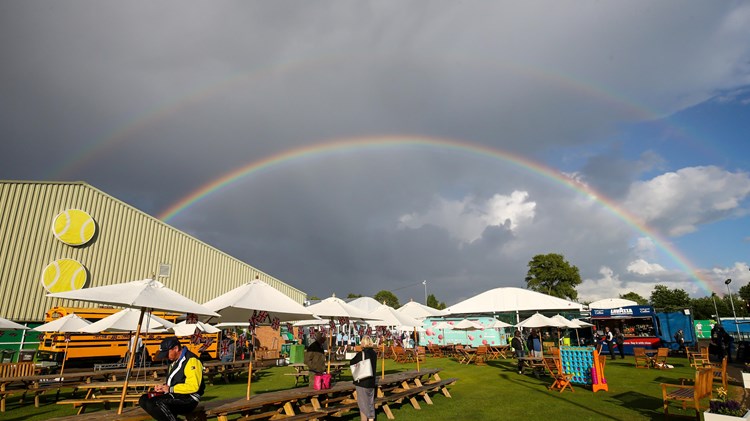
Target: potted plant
pixel 725 409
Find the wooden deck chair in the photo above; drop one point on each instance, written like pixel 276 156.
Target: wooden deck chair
pixel 482 355
pixel 561 380
pixel 400 355
pixel 660 360
pixel 700 358
pixel 641 359
pixel 464 356
pixel 435 350
pixel 720 371
pixel 701 388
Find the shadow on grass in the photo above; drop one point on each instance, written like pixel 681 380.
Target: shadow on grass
pixel 648 406
pixel 521 382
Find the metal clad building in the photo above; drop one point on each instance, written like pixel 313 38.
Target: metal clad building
pixel 62 236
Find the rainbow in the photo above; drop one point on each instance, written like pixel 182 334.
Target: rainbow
pixel 376 143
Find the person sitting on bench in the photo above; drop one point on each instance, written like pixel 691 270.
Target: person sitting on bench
pixel 184 387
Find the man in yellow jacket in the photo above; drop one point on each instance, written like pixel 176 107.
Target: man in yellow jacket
pixel 184 386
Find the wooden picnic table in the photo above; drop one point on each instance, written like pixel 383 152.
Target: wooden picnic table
pixel 41 383
pixel 499 351
pixel 106 393
pixel 301 372
pixel 294 402
pixel 226 370
pixel 536 364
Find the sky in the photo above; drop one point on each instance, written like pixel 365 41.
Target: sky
pixel 352 147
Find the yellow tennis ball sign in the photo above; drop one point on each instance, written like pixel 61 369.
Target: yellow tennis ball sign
pixel 74 227
pixel 64 275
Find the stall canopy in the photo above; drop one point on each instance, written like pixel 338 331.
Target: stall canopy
pixel 612 303
pixel 509 299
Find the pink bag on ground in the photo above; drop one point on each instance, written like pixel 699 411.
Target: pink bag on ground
pixel 322 381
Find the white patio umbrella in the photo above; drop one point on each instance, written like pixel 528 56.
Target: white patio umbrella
pixel 129 320
pixel 188 329
pixel 6 324
pixel 146 295
pixel 390 317
pixel 332 308
pixel 313 322
pixel 68 324
pixel 567 323
pixel 256 295
pixel 468 325
pixel 581 324
pixel 239 304
pixel 539 320
pixel 499 324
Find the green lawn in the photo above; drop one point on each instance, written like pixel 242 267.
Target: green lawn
pixel 490 392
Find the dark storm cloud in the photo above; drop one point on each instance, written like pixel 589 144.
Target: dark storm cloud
pixel 150 100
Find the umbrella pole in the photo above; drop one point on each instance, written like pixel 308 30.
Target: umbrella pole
pixel 250 365
pixel 249 377
pixel 130 365
pixel 330 348
pixel 65 357
pixel 382 366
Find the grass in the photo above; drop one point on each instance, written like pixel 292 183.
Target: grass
pixel 492 391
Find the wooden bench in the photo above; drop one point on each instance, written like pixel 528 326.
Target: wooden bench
pixel 700 389
pixel 137 413
pixel 412 393
pixel 10 371
pixel 384 401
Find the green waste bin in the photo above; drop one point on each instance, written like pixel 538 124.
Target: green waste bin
pixel 6 355
pixel 296 354
pixel 285 349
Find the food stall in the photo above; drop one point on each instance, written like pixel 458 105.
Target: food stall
pixel 638 324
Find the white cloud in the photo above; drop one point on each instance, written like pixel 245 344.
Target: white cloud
pixel 642 267
pixel 612 285
pixel 678 202
pixel 467 219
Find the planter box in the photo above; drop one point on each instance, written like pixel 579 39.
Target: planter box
pixel 707 416
pixel 746 380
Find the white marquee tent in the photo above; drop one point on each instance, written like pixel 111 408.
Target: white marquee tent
pixel 510 299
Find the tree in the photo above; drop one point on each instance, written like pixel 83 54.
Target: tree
pixel 632 296
pixel 744 292
pixel 433 302
pixel 669 299
pixel 353 295
pixel 703 308
pixel 552 274
pixel 388 298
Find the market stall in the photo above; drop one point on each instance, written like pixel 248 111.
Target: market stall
pixel 638 324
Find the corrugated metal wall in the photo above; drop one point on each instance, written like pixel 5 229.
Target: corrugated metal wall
pixel 128 245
